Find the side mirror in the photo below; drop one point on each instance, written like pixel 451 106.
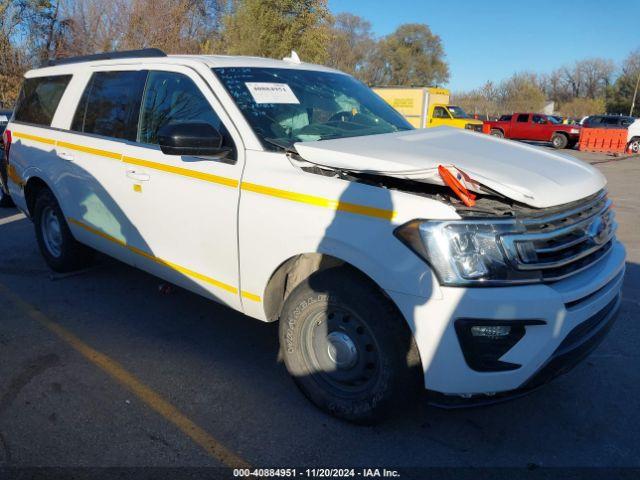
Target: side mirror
pixel 194 139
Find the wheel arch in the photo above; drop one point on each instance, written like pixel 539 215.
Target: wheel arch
pixel 32 188
pixel 635 138
pixel 295 270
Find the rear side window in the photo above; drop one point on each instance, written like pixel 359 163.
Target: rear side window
pixel 523 118
pixel 39 99
pixel 110 105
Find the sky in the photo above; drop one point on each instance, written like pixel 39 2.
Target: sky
pixel 490 40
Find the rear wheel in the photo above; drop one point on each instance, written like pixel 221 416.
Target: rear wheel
pixel 559 141
pixel 347 346
pixel 497 133
pixel 58 247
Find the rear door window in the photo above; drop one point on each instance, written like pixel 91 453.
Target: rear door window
pixel 110 104
pixel 39 99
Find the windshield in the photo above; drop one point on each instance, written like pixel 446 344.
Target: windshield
pixel 285 106
pixel 457 112
pixel 555 120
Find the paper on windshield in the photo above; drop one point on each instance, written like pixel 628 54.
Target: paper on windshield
pixel 266 92
pixel 3 119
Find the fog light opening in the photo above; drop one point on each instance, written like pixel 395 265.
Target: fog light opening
pixel 491 331
pixel 484 342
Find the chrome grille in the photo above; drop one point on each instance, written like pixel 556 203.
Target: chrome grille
pixel 564 242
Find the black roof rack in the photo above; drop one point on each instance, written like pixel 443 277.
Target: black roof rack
pixel 143 53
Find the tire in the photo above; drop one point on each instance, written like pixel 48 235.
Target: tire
pixel 559 141
pixel 5 200
pixel 496 133
pixel 348 348
pixel 634 146
pixel 58 247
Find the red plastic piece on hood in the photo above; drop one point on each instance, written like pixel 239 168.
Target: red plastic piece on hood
pixel 468 198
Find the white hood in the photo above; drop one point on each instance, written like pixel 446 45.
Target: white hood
pixel 524 173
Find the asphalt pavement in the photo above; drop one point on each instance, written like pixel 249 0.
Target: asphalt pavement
pixel 102 368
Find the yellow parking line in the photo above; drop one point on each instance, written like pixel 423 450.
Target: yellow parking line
pixel 12 218
pixel 148 396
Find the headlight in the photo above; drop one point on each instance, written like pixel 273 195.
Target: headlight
pixel 465 252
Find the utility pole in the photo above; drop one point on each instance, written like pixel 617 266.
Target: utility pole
pixel 635 94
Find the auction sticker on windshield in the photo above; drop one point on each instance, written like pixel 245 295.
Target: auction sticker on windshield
pixel 265 92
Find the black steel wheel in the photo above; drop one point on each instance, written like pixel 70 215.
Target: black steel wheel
pixel 348 347
pixel 58 247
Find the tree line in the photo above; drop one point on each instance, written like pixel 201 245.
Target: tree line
pixel 35 31
pixel 589 86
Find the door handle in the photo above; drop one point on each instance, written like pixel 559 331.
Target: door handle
pixel 66 156
pixel 138 176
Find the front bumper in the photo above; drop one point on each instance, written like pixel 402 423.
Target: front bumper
pixel 576 346
pixel 576 313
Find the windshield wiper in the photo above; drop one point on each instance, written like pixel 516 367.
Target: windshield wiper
pixel 286 146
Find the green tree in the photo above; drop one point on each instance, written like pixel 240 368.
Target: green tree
pixel 410 56
pixel 272 28
pixel 620 95
pixel 350 44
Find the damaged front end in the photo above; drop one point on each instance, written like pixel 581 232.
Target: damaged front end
pixel 498 241
pixel 486 203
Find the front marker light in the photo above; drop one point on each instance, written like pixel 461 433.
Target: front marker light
pixel 574 131
pixel 465 252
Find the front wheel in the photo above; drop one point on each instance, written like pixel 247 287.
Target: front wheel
pixel 347 347
pixel 58 247
pixel 496 133
pixel 634 146
pixel 559 141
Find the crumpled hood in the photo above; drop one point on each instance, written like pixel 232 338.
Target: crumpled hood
pixel 524 173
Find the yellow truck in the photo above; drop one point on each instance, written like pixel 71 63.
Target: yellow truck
pixel 426 107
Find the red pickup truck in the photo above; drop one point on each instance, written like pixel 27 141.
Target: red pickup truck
pixel 537 127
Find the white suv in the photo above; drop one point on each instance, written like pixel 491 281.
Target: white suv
pixel 394 258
